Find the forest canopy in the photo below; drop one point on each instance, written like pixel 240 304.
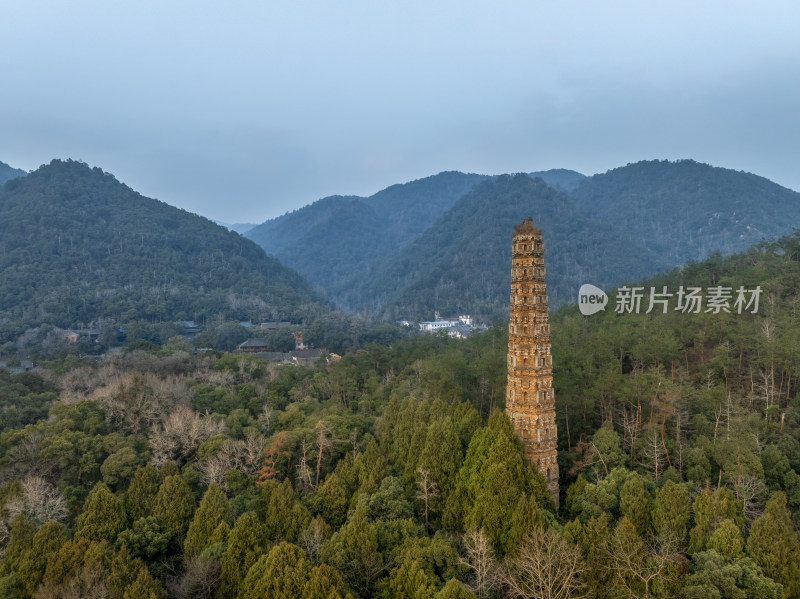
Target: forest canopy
pixel 395 472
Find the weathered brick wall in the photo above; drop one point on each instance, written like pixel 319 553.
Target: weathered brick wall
pixel 530 401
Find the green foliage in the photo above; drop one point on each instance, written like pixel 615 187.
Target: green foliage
pixel 325 583
pixel 635 503
pixel 97 249
pixel 102 517
pixel 671 512
pixel 353 551
pixel 144 587
pixel 283 572
pixel 710 510
pixel 148 538
pixel 284 516
pixel 380 467
pixel 247 542
pixel 25 398
pixel 140 498
pixel 714 577
pixel 336 237
pixel 213 512
pixel 409 580
pixel 174 505
pixel 774 546
pixel 455 590
pixel 727 540
pixel 119 467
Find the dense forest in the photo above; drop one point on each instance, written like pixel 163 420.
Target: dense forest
pixel 77 246
pixel 462 262
pixel 685 210
pixel 396 473
pixel 619 226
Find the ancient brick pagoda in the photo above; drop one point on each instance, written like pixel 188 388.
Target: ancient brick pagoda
pixel 530 401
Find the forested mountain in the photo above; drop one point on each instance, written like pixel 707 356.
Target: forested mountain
pixel 77 246
pixel 334 238
pixel 395 472
pixel 462 262
pixel 240 228
pixel 614 227
pixel 685 210
pixel 8 172
pixel 560 178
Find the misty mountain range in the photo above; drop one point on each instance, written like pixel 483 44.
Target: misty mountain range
pixel 77 245
pixel 607 229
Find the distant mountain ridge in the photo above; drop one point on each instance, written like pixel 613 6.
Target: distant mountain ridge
pixel 610 228
pixel 686 210
pixel 462 263
pixel 77 245
pixel 8 172
pixel 338 235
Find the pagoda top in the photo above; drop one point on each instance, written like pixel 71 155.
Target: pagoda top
pixel 526 227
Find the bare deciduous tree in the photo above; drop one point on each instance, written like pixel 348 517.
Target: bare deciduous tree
pixel 637 564
pixel 479 557
pixel 427 491
pixel 252 453
pixel 265 418
pixel 312 539
pixel 4 537
pixel 545 567
pixel 23 459
pixel 244 456
pixel 199 579
pixel 303 471
pixel 39 500
pixel 750 491
pixel 654 453
pixel 323 444
pixel 181 434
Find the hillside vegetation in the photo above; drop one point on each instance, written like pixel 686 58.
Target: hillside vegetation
pixel 395 472
pixel 630 222
pixel 331 240
pixel 77 246
pixel 7 172
pixel 462 263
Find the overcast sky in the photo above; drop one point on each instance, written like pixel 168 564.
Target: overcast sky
pixel 242 110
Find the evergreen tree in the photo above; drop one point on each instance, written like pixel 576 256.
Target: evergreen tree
pixel 710 509
pixel 247 542
pixel 670 514
pixel 140 497
pixel 102 517
pixel 325 583
pixel 46 543
pixel 525 518
pixel 285 517
pixel 774 546
pixel 213 511
pixel 144 587
pixel 727 540
pixel 740 578
pixel 353 551
pixel 123 572
pixel 174 506
pixel 455 590
pixel 409 580
pixel 635 503
pixel 283 572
